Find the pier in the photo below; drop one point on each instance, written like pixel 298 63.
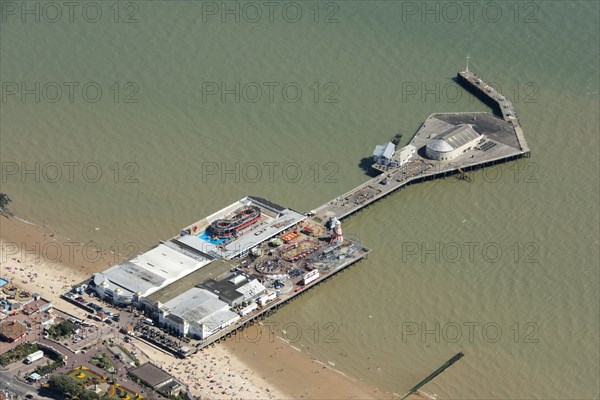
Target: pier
pixel 242 263
pixel 502 141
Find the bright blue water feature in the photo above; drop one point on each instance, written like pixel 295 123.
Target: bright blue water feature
pixel 206 237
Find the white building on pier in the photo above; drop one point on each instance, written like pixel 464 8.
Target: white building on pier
pixel 452 143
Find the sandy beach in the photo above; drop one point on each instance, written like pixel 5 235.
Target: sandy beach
pixel 40 261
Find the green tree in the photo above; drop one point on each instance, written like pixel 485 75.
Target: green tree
pixel 46 369
pixel 18 353
pixel 88 395
pixel 63 329
pixel 64 385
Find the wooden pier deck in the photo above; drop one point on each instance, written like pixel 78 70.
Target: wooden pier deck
pixel 505 133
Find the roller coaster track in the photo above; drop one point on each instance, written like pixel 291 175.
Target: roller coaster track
pixel 242 217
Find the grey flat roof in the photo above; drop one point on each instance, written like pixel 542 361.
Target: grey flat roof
pixel 151 374
pixel 153 269
pixel 219 318
pixel 224 289
pixel 192 253
pixel 458 136
pixel 266 203
pixel 133 277
pixel 195 304
pixel 212 270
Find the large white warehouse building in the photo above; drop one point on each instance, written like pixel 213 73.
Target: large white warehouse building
pixel 197 313
pixel 147 273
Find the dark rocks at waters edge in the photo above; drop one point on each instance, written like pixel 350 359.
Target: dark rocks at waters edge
pixel 4 200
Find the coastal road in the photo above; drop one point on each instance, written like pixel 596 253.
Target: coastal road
pixel 11 384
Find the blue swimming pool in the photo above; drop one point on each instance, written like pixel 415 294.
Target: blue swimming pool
pixel 206 237
pixel 3 282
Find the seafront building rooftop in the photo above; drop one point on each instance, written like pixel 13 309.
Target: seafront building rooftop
pixel 146 273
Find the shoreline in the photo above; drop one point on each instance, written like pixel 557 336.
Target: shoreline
pixel 261 369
